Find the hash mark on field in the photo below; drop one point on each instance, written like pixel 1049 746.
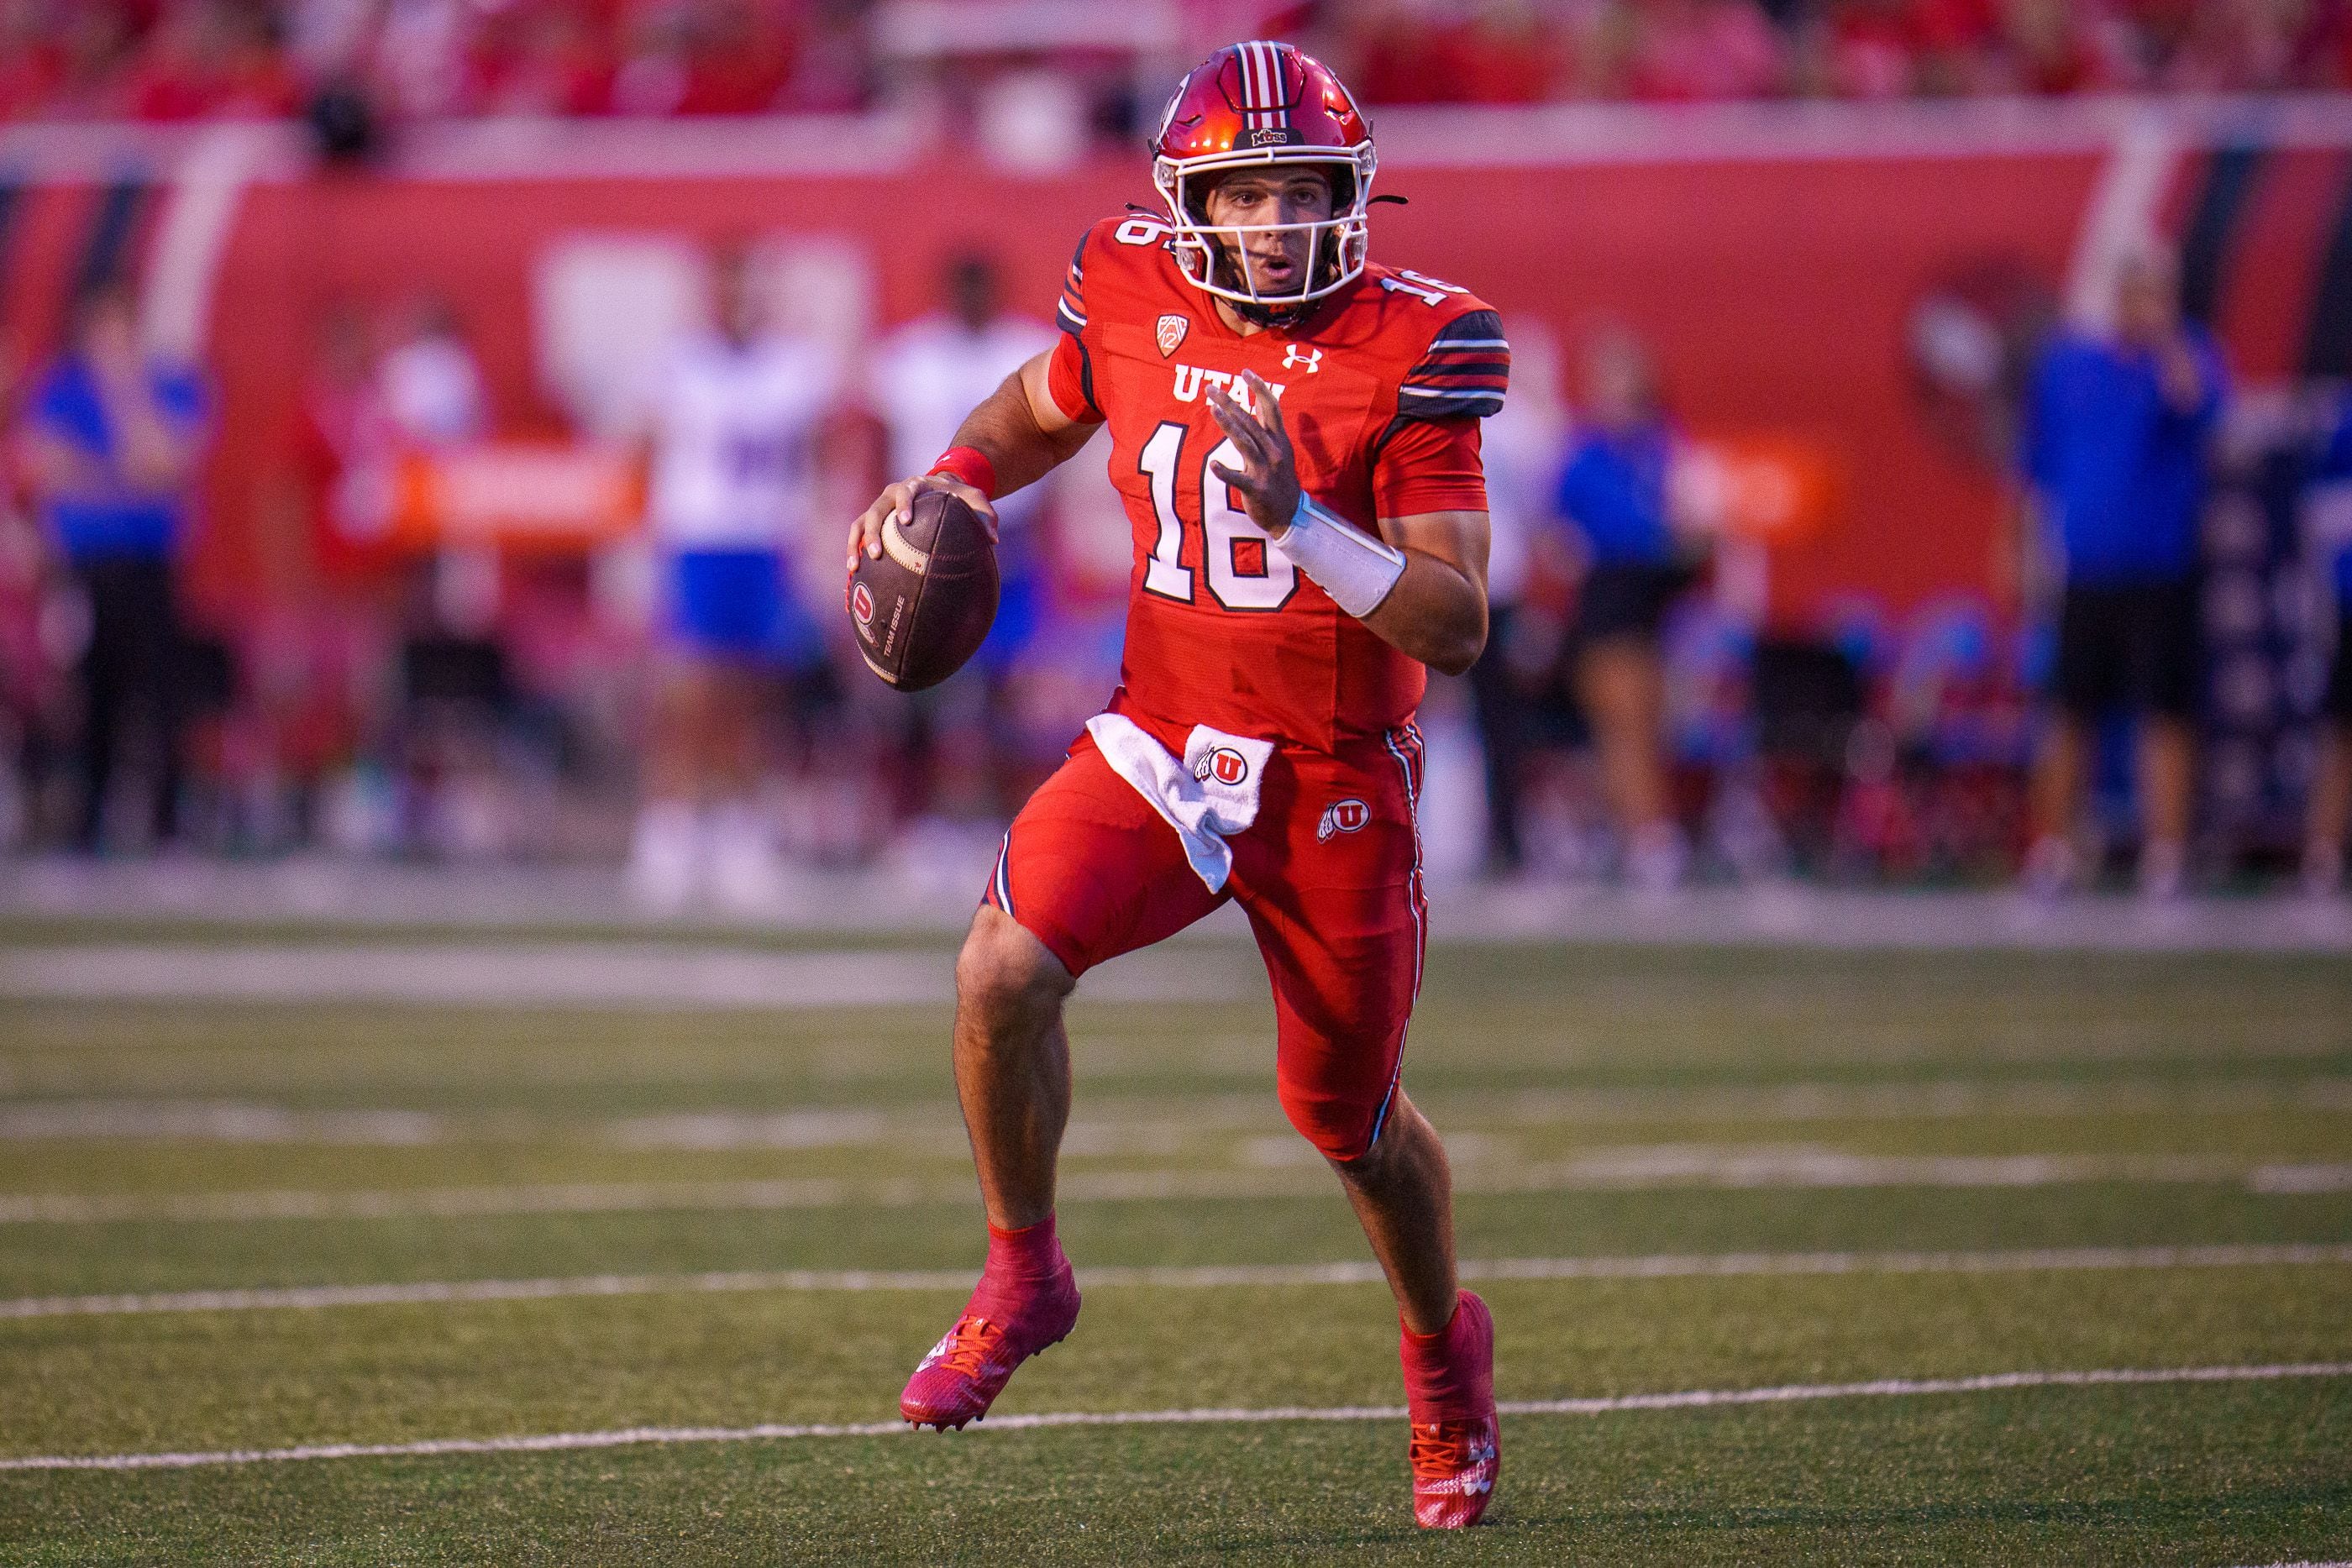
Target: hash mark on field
pixel 1688 1399
pixel 1659 1266
pixel 1641 1167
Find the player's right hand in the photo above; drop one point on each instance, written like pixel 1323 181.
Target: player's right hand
pixel 865 533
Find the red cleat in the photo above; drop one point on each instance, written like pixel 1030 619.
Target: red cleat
pixel 1457 1444
pixel 969 1366
pixel 1455 1466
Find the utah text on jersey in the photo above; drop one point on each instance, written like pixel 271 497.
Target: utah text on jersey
pixel 1381 387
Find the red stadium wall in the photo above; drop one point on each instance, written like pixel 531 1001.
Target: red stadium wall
pixel 1779 286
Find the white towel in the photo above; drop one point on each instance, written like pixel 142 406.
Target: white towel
pixel 1212 793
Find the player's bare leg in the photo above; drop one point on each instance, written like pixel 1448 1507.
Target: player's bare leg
pixel 1623 682
pixel 666 855
pixel 2057 785
pixel 2167 772
pixel 1013 1076
pixel 1011 1065
pixel 1402 1190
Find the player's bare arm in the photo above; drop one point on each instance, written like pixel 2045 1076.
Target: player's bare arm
pixel 1436 610
pixel 1019 428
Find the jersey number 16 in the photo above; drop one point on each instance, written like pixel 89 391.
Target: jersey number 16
pixel 1245 571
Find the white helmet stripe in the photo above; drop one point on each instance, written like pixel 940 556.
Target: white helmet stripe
pixel 1269 84
pixel 1253 94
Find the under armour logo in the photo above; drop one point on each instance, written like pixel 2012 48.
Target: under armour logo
pixel 1293 356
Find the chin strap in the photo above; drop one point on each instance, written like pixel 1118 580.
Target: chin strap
pixel 1270 315
pixel 1355 569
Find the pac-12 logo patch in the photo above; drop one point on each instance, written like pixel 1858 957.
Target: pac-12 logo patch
pixel 1346 816
pixel 1173 328
pixel 1224 765
pixel 861 604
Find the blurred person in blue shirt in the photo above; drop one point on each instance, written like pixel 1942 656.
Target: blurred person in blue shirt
pixel 2330 807
pixel 1615 493
pixel 112 437
pixel 2113 448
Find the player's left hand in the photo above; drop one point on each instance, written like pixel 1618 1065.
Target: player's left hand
pixel 1268 481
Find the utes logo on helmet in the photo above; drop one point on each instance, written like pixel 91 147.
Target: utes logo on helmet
pixel 861 604
pixel 1224 765
pixel 1173 328
pixel 1346 816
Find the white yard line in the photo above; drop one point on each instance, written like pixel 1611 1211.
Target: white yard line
pixel 1635 1169
pixel 541 974
pixel 1135 1122
pixel 500 898
pixel 1688 1399
pixel 1656 1266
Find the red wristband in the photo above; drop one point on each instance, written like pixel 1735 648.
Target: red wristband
pixel 969 465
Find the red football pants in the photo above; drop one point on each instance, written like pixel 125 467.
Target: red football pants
pixel 1330 874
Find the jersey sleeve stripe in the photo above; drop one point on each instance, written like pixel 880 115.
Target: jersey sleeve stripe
pixel 1425 404
pixel 1471 325
pixel 1071 310
pixel 1464 372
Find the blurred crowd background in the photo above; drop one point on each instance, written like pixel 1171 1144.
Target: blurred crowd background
pixel 412 583
pixel 182 60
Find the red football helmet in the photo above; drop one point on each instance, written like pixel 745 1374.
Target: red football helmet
pixel 1253 104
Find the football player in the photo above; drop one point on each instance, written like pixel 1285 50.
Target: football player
pixel 1295 433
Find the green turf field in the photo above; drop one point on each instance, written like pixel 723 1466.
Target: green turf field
pixel 1680 1172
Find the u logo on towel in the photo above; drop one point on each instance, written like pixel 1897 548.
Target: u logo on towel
pixel 1224 765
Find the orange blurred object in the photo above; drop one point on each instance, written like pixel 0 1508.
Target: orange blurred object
pixel 520 495
pixel 1771 489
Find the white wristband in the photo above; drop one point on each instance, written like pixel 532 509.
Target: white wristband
pixel 1351 566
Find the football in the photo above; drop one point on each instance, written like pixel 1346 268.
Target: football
pixel 925 604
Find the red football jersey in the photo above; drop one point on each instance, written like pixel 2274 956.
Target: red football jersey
pixel 1381 390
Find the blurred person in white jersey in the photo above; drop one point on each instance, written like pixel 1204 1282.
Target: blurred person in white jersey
pixel 1521 448
pixel 924 378
pixel 731 433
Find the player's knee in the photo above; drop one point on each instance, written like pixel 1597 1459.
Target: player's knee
pixel 1340 1131
pixel 1003 969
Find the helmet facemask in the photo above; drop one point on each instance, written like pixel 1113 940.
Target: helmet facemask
pixel 1208 254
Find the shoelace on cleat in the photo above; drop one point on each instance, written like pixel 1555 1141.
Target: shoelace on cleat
pixel 1441 1450
pixel 970 1345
